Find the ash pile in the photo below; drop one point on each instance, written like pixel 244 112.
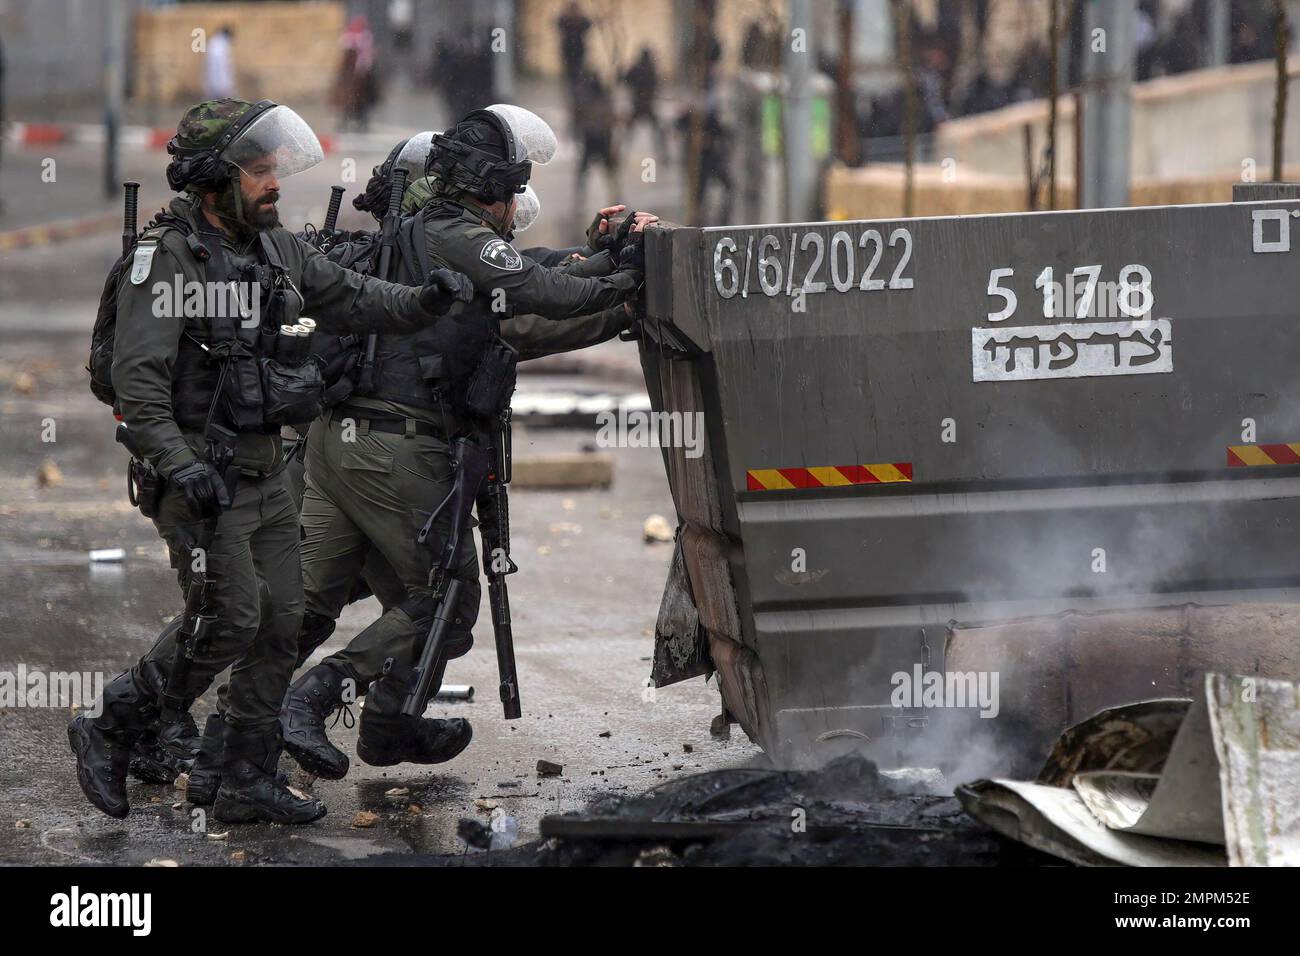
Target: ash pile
pixel 847 813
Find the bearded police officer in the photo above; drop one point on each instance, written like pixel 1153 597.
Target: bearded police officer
pixel 379 463
pixel 203 397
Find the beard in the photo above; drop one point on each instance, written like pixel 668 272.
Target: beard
pixel 260 213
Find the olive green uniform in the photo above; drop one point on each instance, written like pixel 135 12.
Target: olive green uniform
pixel 257 538
pixel 378 489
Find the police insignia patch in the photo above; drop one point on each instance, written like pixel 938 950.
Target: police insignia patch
pixel 501 254
pixel 143 259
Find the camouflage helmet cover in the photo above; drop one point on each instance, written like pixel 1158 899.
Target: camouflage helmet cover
pixel 203 124
pixel 217 137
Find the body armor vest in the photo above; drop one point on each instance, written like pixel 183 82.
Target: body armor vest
pixel 443 356
pixel 258 394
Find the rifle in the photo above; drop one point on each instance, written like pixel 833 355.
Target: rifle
pixel 470 464
pixel 130 215
pixel 494 531
pixel 387 243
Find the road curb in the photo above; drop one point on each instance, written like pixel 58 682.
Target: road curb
pixel 62 230
pixel 30 135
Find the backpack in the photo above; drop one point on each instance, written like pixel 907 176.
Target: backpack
pixel 100 363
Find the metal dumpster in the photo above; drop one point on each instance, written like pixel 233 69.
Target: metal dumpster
pixel 924 434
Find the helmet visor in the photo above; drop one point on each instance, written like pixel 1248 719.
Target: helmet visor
pixel 531 136
pixel 415 154
pixel 527 208
pixel 278 142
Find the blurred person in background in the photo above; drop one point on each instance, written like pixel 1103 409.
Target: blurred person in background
pixel 715 160
pixel 1252 31
pixel 401 21
pixel 595 119
pixel 642 81
pixel 219 65
pixel 462 71
pixel 355 90
pixel 572 25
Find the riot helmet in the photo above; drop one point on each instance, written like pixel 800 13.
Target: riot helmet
pixel 490 153
pixel 218 140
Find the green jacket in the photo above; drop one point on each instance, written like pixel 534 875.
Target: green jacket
pixel 506 282
pixel 150 328
pixel 533 335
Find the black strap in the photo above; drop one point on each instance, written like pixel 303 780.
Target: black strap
pixel 214 262
pixel 408 254
pixel 271 253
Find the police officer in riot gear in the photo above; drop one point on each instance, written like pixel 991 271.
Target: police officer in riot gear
pixel 360 493
pixel 203 398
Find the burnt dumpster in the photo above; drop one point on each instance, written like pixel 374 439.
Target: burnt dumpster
pixel 968 480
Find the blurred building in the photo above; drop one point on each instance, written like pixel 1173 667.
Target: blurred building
pixel 54 51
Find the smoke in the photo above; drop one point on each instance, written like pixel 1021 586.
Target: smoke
pixel 1027 554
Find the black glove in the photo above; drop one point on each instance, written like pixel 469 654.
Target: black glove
pixel 613 241
pixel 631 258
pixel 624 231
pixel 596 240
pixel 443 289
pixel 204 490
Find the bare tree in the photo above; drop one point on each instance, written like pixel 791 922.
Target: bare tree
pixel 903 31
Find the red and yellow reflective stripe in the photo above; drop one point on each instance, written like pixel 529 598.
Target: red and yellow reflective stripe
pixel 1248 456
pixel 830 476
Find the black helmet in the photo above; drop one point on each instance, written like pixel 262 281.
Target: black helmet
pixel 490 153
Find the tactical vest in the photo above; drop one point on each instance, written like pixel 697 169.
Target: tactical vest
pixel 258 394
pixel 443 356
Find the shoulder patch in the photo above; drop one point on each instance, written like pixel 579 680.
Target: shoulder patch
pixel 502 255
pixel 144 252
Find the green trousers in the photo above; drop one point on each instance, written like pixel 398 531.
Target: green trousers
pixel 253 560
pixel 373 491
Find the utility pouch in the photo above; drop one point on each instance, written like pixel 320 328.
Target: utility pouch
pixel 242 393
pixel 291 394
pixel 144 487
pixel 493 382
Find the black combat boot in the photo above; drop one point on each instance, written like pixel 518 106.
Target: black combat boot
pixel 205 775
pixel 390 737
pixel 249 790
pixel 312 698
pixel 166 750
pixel 102 744
pixel 168 747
